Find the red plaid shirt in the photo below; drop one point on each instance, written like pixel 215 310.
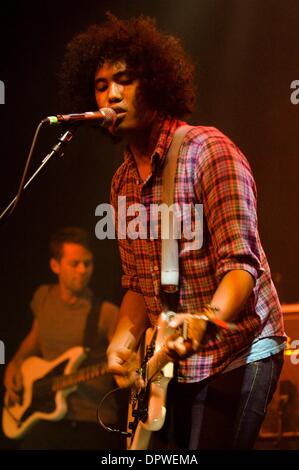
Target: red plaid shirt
pixel 211 171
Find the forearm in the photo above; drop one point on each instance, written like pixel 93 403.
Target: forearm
pixel 131 323
pixel 229 298
pixel 232 294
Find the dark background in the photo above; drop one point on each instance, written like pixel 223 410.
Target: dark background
pixel 246 53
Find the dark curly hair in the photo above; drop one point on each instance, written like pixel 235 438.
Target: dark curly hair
pixel 165 72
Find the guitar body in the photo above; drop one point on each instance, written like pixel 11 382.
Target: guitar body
pixel 147 410
pixel 39 401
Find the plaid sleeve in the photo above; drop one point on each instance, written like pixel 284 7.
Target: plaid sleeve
pixel 229 202
pixel 129 278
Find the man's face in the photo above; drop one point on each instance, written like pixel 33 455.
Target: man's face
pixel 116 87
pixel 75 267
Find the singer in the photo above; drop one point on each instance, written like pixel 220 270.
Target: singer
pixel 221 388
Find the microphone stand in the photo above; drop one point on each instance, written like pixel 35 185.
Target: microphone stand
pixel 57 150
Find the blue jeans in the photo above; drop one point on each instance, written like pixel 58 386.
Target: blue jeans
pixel 224 411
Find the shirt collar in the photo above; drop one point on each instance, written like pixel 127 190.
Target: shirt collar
pixel 168 125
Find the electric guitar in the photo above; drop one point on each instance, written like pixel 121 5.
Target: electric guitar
pixel 46 385
pixel 147 410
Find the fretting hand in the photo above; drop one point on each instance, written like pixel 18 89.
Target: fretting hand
pixel 193 328
pixel 188 342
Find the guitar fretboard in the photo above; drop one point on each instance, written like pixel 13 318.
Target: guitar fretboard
pixel 82 375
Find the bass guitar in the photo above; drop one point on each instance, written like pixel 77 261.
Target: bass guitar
pixel 46 385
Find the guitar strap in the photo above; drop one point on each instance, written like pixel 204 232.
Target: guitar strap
pixel 91 325
pixel 169 242
pixel 169 254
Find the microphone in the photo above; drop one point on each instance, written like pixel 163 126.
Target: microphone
pixel 105 117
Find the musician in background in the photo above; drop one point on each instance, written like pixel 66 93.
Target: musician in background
pixel 61 312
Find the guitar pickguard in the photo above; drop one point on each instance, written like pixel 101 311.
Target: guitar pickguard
pixel 43 397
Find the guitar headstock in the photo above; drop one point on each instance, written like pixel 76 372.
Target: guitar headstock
pixel 194 327
pixel 193 330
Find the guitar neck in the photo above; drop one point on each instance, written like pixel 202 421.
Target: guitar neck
pixel 82 375
pixel 154 365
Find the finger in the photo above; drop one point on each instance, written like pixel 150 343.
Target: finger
pixel 177 346
pixel 18 384
pixel 124 369
pixel 140 383
pixel 122 382
pixel 13 398
pixel 181 349
pixel 178 320
pixel 174 356
pixel 120 357
pixel 132 380
pixel 124 353
pixel 194 344
pixel 14 387
pixel 117 369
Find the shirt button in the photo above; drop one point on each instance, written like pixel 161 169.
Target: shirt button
pixel 156 268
